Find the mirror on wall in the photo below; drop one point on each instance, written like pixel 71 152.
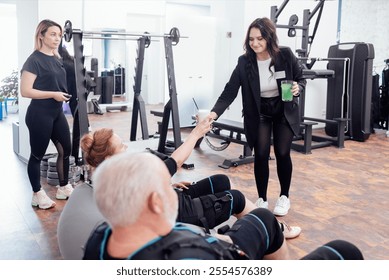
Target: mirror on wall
pixel 106 58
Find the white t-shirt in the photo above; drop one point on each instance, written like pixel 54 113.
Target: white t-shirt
pixel 267 81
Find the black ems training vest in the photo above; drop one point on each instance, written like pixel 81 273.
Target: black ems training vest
pixel 181 243
pixel 206 211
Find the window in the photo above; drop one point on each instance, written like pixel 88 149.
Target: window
pixel 8 46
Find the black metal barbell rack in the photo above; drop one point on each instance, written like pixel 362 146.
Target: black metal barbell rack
pixel 144 40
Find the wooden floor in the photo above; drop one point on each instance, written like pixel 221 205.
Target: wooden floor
pixel 335 193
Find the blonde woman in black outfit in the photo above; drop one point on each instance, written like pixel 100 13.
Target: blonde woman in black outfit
pixel 259 73
pixel 43 79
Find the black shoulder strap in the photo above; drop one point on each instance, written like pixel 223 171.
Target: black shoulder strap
pixel 93 245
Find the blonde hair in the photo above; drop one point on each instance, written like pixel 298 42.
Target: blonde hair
pixel 41 30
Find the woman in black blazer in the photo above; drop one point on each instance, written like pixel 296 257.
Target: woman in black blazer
pixel 259 73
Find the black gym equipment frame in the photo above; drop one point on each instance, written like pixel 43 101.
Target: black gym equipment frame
pixel 338 123
pixel 81 85
pixel 138 102
pixel 381 100
pixel 235 135
pixel 307 16
pixel 170 40
pixel 359 84
pixel 171 107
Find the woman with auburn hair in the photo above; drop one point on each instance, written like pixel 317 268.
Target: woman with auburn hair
pixel 99 145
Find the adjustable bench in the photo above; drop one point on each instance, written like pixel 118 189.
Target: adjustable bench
pixel 236 131
pixel 235 134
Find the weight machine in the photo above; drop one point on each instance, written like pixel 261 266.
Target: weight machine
pixel 306 122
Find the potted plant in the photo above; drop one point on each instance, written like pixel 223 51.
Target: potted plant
pixel 9 90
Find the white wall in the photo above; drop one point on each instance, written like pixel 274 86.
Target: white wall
pixel 367 21
pixel 27 14
pixel 8 53
pixel 153 78
pixel 230 28
pixel 193 61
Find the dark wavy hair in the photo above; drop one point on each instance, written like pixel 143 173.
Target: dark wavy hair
pixel 268 32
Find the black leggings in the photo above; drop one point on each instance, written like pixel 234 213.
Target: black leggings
pixel 258 234
pixel 336 250
pixel 210 185
pixel 273 121
pixel 44 124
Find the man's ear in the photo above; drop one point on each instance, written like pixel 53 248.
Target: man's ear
pixel 155 203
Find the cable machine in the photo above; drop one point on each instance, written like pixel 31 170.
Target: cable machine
pixel 293 20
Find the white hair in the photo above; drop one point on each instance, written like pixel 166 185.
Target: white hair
pixel 123 183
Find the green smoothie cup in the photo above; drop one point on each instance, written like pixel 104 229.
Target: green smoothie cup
pixel 286 88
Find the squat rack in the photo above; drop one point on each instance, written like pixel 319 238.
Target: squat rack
pixel 171 107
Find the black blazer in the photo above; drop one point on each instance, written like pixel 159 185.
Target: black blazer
pixel 287 67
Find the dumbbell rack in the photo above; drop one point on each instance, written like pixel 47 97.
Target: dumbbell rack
pixel 49 170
